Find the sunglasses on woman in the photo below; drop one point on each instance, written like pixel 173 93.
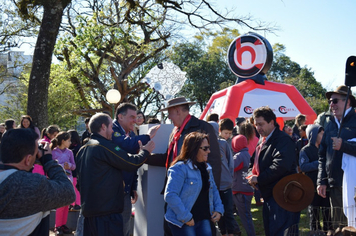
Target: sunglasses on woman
pixel 205 148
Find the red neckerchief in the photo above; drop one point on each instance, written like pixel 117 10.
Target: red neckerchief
pixel 255 168
pixel 173 145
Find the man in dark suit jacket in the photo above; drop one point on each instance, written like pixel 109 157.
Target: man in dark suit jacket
pixel 184 123
pixel 274 159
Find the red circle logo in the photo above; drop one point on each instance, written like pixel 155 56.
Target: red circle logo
pixel 249 55
pixel 248 110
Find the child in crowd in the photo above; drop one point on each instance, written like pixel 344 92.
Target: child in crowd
pixel 226 126
pixel 47 135
pixel 242 191
pixel 227 223
pixel 301 142
pixel 2 129
pixel 65 158
pixel 74 147
pixel 10 124
pixel 308 162
pixel 248 130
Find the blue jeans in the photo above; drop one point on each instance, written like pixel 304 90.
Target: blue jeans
pixel 200 228
pixel 80 225
pixel 277 221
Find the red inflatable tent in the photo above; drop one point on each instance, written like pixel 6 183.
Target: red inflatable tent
pixel 241 99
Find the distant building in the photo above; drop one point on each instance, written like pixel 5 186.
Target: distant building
pixel 12 64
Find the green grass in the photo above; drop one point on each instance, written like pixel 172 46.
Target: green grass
pixel 258 221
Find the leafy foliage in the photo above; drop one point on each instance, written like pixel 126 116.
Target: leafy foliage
pixel 287 71
pixel 13 30
pixel 282 67
pixel 207 71
pixel 99 53
pixel 14 104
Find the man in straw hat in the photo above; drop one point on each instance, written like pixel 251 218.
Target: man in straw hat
pixel 332 148
pixel 184 123
pixel 273 159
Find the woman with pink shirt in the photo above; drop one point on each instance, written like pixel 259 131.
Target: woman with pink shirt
pixel 65 158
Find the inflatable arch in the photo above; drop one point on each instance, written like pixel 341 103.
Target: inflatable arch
pixel 241 99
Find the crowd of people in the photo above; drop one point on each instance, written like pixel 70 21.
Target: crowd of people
pixel 214 168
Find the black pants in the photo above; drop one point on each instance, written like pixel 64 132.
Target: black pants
pixel 104 225
pixel 320 205
pixel 42 228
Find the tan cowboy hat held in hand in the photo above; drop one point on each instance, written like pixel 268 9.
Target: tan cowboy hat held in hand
pixel 176 102
pixel 294 192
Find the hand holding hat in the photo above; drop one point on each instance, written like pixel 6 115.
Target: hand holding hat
pixel 294 192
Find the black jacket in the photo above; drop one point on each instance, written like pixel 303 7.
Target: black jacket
pixel 214 157
pixel 276 160
pixel 308 158
pixel 100 163
pixel 330 171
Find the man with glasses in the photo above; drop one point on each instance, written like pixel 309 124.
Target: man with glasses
pixel 332 149
pixel 184 123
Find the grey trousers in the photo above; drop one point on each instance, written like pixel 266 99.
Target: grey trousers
pixel 243 204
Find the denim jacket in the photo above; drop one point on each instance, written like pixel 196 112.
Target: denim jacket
pixel 183 187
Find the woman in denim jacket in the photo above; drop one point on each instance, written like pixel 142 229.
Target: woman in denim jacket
pixel 191 194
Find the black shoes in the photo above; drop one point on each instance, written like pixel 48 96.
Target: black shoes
pixel 62 230
pixel 74 208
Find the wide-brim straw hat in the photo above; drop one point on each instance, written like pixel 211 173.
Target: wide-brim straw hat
pixel 342 90
pixel 176 102
pixel 294 192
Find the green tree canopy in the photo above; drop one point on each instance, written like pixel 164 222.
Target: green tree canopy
pixel 287 71
pixel 207 71
pixel 144 27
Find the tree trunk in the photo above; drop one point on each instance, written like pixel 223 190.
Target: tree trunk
pixel 41 65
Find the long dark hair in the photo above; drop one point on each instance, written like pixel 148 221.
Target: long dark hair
pixel 61 136
pixel 29 119
pixel 9 123
pixel 49 130
pixel 75 139
pixel 190 148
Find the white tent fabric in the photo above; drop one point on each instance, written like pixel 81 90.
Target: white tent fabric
pixel 279 102
pixel 349 186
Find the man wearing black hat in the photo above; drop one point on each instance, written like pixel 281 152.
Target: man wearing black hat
pixel 184 123
pixel 332 148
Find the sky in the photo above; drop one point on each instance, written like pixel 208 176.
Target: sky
pixel 317 34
